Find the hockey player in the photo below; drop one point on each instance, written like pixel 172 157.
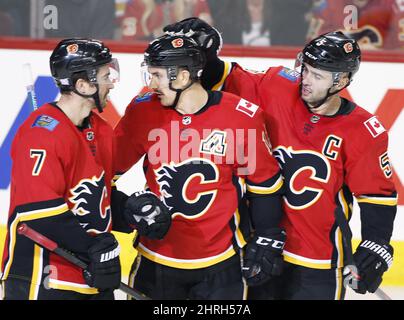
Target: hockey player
pixel 330 150
pixel 206 151
pixel 60 187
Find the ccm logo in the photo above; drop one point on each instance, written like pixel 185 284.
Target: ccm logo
pixel 270 242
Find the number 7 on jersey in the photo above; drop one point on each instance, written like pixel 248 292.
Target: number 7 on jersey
pixel 40 156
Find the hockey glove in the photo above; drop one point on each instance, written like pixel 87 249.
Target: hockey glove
pixel 146 213
pixel 204 34
pixel 263 257
pixel 371 259
pixel 104 268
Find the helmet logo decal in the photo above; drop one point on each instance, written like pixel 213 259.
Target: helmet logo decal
pixel 321 42
pixel 72 48
pixel 348 47
pixel 177 43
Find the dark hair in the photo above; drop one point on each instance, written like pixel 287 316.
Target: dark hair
pixel 74 78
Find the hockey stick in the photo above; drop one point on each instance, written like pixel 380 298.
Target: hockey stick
pixel 346 239
pixel 52 246
pixel 29 85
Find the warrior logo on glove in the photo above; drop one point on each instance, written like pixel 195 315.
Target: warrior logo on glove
pixel 372 259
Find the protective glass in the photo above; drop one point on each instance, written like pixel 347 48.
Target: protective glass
pixel 160 76
pixel 113 75
pixel 145 74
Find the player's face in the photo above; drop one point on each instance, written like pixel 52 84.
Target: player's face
pixel 159 82
pixel 315 84
pixel 104 84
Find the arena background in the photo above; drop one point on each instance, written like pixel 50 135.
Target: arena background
pixel 378 87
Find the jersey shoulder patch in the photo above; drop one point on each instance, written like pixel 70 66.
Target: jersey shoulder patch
pixel 374 126
pixel 143 97
pixel 46 122
pixel 290 74
pixel 247 107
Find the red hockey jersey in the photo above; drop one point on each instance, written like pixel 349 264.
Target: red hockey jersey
pixel 380 22
pixel 325 160
pixel 201 165
pixel 57 170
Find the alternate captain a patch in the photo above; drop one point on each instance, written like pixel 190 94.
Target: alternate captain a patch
pixel 45 122
pixel 289 74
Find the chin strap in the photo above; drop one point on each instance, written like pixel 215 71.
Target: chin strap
pixel 178 93
pixel 95 96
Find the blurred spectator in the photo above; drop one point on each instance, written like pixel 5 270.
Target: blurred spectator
pixel 255 29
pixel 261 22
pixel 380 23
pixel 14 17
pixel 84 18
pixel 6 24
pixel 145 19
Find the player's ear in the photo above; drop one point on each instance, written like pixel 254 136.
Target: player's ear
pixel 343 82
pixel 184 76
pixel 84 86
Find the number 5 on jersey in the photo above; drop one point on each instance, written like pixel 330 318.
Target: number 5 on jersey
pixel 39 156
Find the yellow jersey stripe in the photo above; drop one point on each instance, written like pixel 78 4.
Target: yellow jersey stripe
pixel 339 244
pixel 185 264
pixel 239 236
pixel 381 201
pixel 36 273
pixel 226 72
pixel 339 283
pixel 306 262
pixel 80 288
pixel 266 190
pixel 133 273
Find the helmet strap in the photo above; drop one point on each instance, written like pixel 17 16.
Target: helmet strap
pixel 178 92
pixel 95 96
pixel 327 96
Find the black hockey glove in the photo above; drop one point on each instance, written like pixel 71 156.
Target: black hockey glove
pixel 104 268
pixel 146 213
pixel 371 259
pixel 203 33
pixel 263 257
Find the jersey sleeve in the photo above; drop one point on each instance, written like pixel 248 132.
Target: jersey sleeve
pixel 38 189
pixel 258 166
pixel 369 178
pixel 37 169
pixel 128 150
pixel 128 137
pixel 264 182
